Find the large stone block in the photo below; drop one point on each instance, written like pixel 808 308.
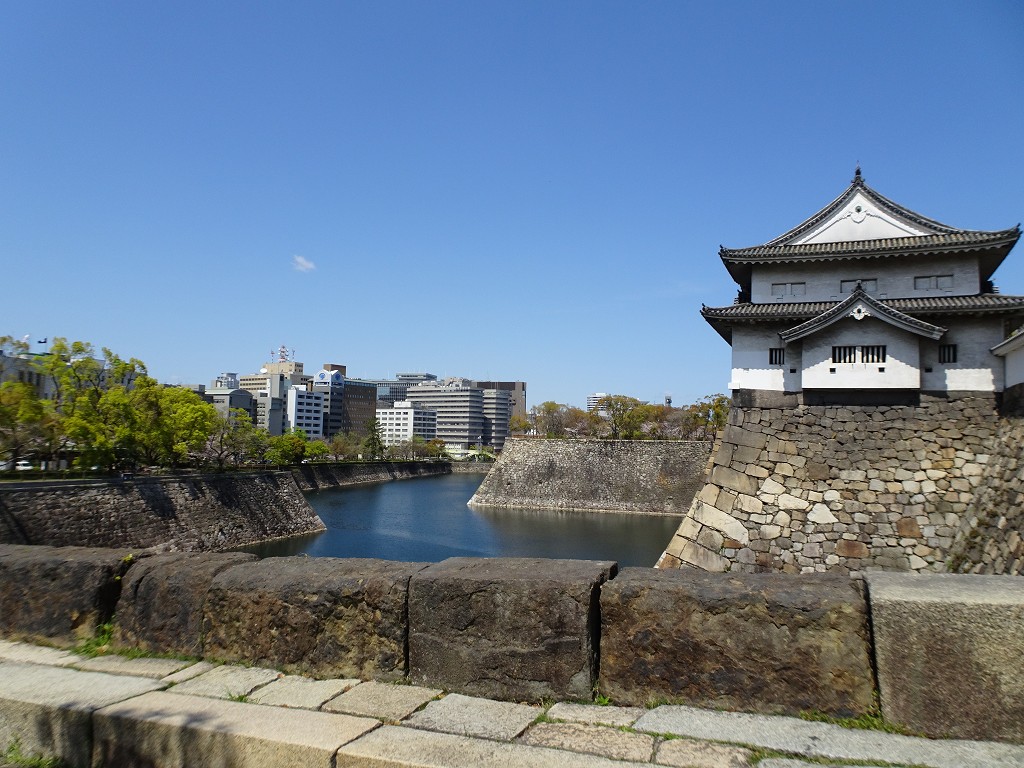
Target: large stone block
pixel 949 650
pixel 162 597
pixel 756 642
pixel 323 617
pixel 508 628
pixel 58 594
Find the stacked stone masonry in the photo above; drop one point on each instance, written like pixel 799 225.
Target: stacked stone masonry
pixel 644 476
pixel 849 488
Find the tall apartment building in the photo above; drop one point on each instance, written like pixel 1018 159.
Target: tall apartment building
pixel 498 407
pixel 459 406
pixel 348 404
pixel 304 409
pixel 404 420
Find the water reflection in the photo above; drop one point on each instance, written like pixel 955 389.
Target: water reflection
pixel 427 520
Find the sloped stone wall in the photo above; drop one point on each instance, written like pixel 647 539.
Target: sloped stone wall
pixel 646 476
pixel 313 477
pixel 841 488
pixel 195 513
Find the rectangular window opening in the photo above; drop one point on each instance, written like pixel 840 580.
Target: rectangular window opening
pixel 873 353
pixel 947 353
pixel 776 356
pixel 844 354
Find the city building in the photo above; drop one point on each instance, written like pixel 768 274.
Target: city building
pixel 304 409
pixel 498 407
pixel 225 399
pixel 594 400
pixel 391 391
pixel 459 406
pixel 349 404
pixel 225 381
pixel 404 420
pixel 867 302
pixel 516 390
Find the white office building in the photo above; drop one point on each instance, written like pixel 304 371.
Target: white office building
pixel 305 409
pixel 405 420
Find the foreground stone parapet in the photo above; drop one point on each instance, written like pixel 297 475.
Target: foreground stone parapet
pixel 58 594
pixel 950 653
pixel 161 605
pixel 323 617
pixel 755 642
pixel 519 629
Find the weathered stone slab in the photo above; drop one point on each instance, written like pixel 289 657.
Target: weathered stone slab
pixel 592 714
pixel 227 682
pixel 382 700
pixel 519 629
pixel 58 594
pixel 48 710
pixel 319 616
pixel 140 667
pixel 689 753
pixel 190 672
pixel 36 654
pixel 755 642
pixel 301 692
pixel 823 740
pixel 398 747
pixel 162 597
pixel 470 716
pixel 591 739
pixel 950 653
pixel 161 730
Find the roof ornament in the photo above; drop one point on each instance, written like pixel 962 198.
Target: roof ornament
pixel 857 179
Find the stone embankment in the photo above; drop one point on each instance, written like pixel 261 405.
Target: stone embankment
pixel 823 488
pixel 944 649
pixel 184 513
pixel 644 476
pixel 190 513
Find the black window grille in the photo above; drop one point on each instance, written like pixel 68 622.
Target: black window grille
pixel 947 353
pixel 844 354
pixel 872 353
pixel 776 356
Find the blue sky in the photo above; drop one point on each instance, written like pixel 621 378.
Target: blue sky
pixel 503 190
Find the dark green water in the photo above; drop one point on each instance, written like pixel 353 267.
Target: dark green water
pixel 427 520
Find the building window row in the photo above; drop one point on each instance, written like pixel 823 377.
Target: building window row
pixel 869 353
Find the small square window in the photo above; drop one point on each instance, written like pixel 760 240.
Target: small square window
pixel 776 356
pixel 947 353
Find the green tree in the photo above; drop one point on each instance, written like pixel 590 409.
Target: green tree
pixel 549 419
pixel 171 424
pixel 519 425
pixel 344 445
pixel 624 416
pixel 21 421
pixel 317 450
pixel 287 449
pixel 373 445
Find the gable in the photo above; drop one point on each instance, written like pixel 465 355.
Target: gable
pixel 860 218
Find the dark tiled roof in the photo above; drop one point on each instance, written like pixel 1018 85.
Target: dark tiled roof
pixel 937 305
pixel 871 306
pixel 954 241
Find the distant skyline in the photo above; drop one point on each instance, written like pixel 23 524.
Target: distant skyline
pixel 530 191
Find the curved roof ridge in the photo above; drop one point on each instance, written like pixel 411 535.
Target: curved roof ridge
pixel 875 308
pixel 890 206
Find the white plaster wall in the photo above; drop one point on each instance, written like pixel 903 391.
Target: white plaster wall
pixel 1014 367
pixel 976 368
pixel 895 278
pixel 750 368
pixel 900 368
pixel 860 219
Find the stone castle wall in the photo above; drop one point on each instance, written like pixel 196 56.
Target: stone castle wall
pixel 193 513
pixel 644 476
pixel 313 477
pixel 847 488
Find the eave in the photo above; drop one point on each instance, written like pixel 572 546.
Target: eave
pixel 859 305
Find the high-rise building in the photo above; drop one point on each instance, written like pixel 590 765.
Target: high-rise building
pixel 498 409
pixel 349 404
pixel 304 409
pixel 516 390
pixel 459 407
pixel 391 391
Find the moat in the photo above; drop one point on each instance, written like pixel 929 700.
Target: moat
pixel 428 520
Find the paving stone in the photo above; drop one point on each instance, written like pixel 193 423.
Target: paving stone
pixel 164 730
pixel 27 653
pixel 227 682
pixel 188 673
pixel 48 710
pixel 784 762
pixel 301 692
pixel 397 747
pixel 596 715
pixel 468 716
pixel 591 739
pixel 141 667
pixel 686 753
pixel 382 700
pixel 787 734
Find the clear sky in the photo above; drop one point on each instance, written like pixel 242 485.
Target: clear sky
pixel 499 190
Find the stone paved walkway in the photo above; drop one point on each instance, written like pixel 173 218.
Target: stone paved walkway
pixel 117 711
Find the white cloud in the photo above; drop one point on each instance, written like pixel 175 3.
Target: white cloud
pixel 302 264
